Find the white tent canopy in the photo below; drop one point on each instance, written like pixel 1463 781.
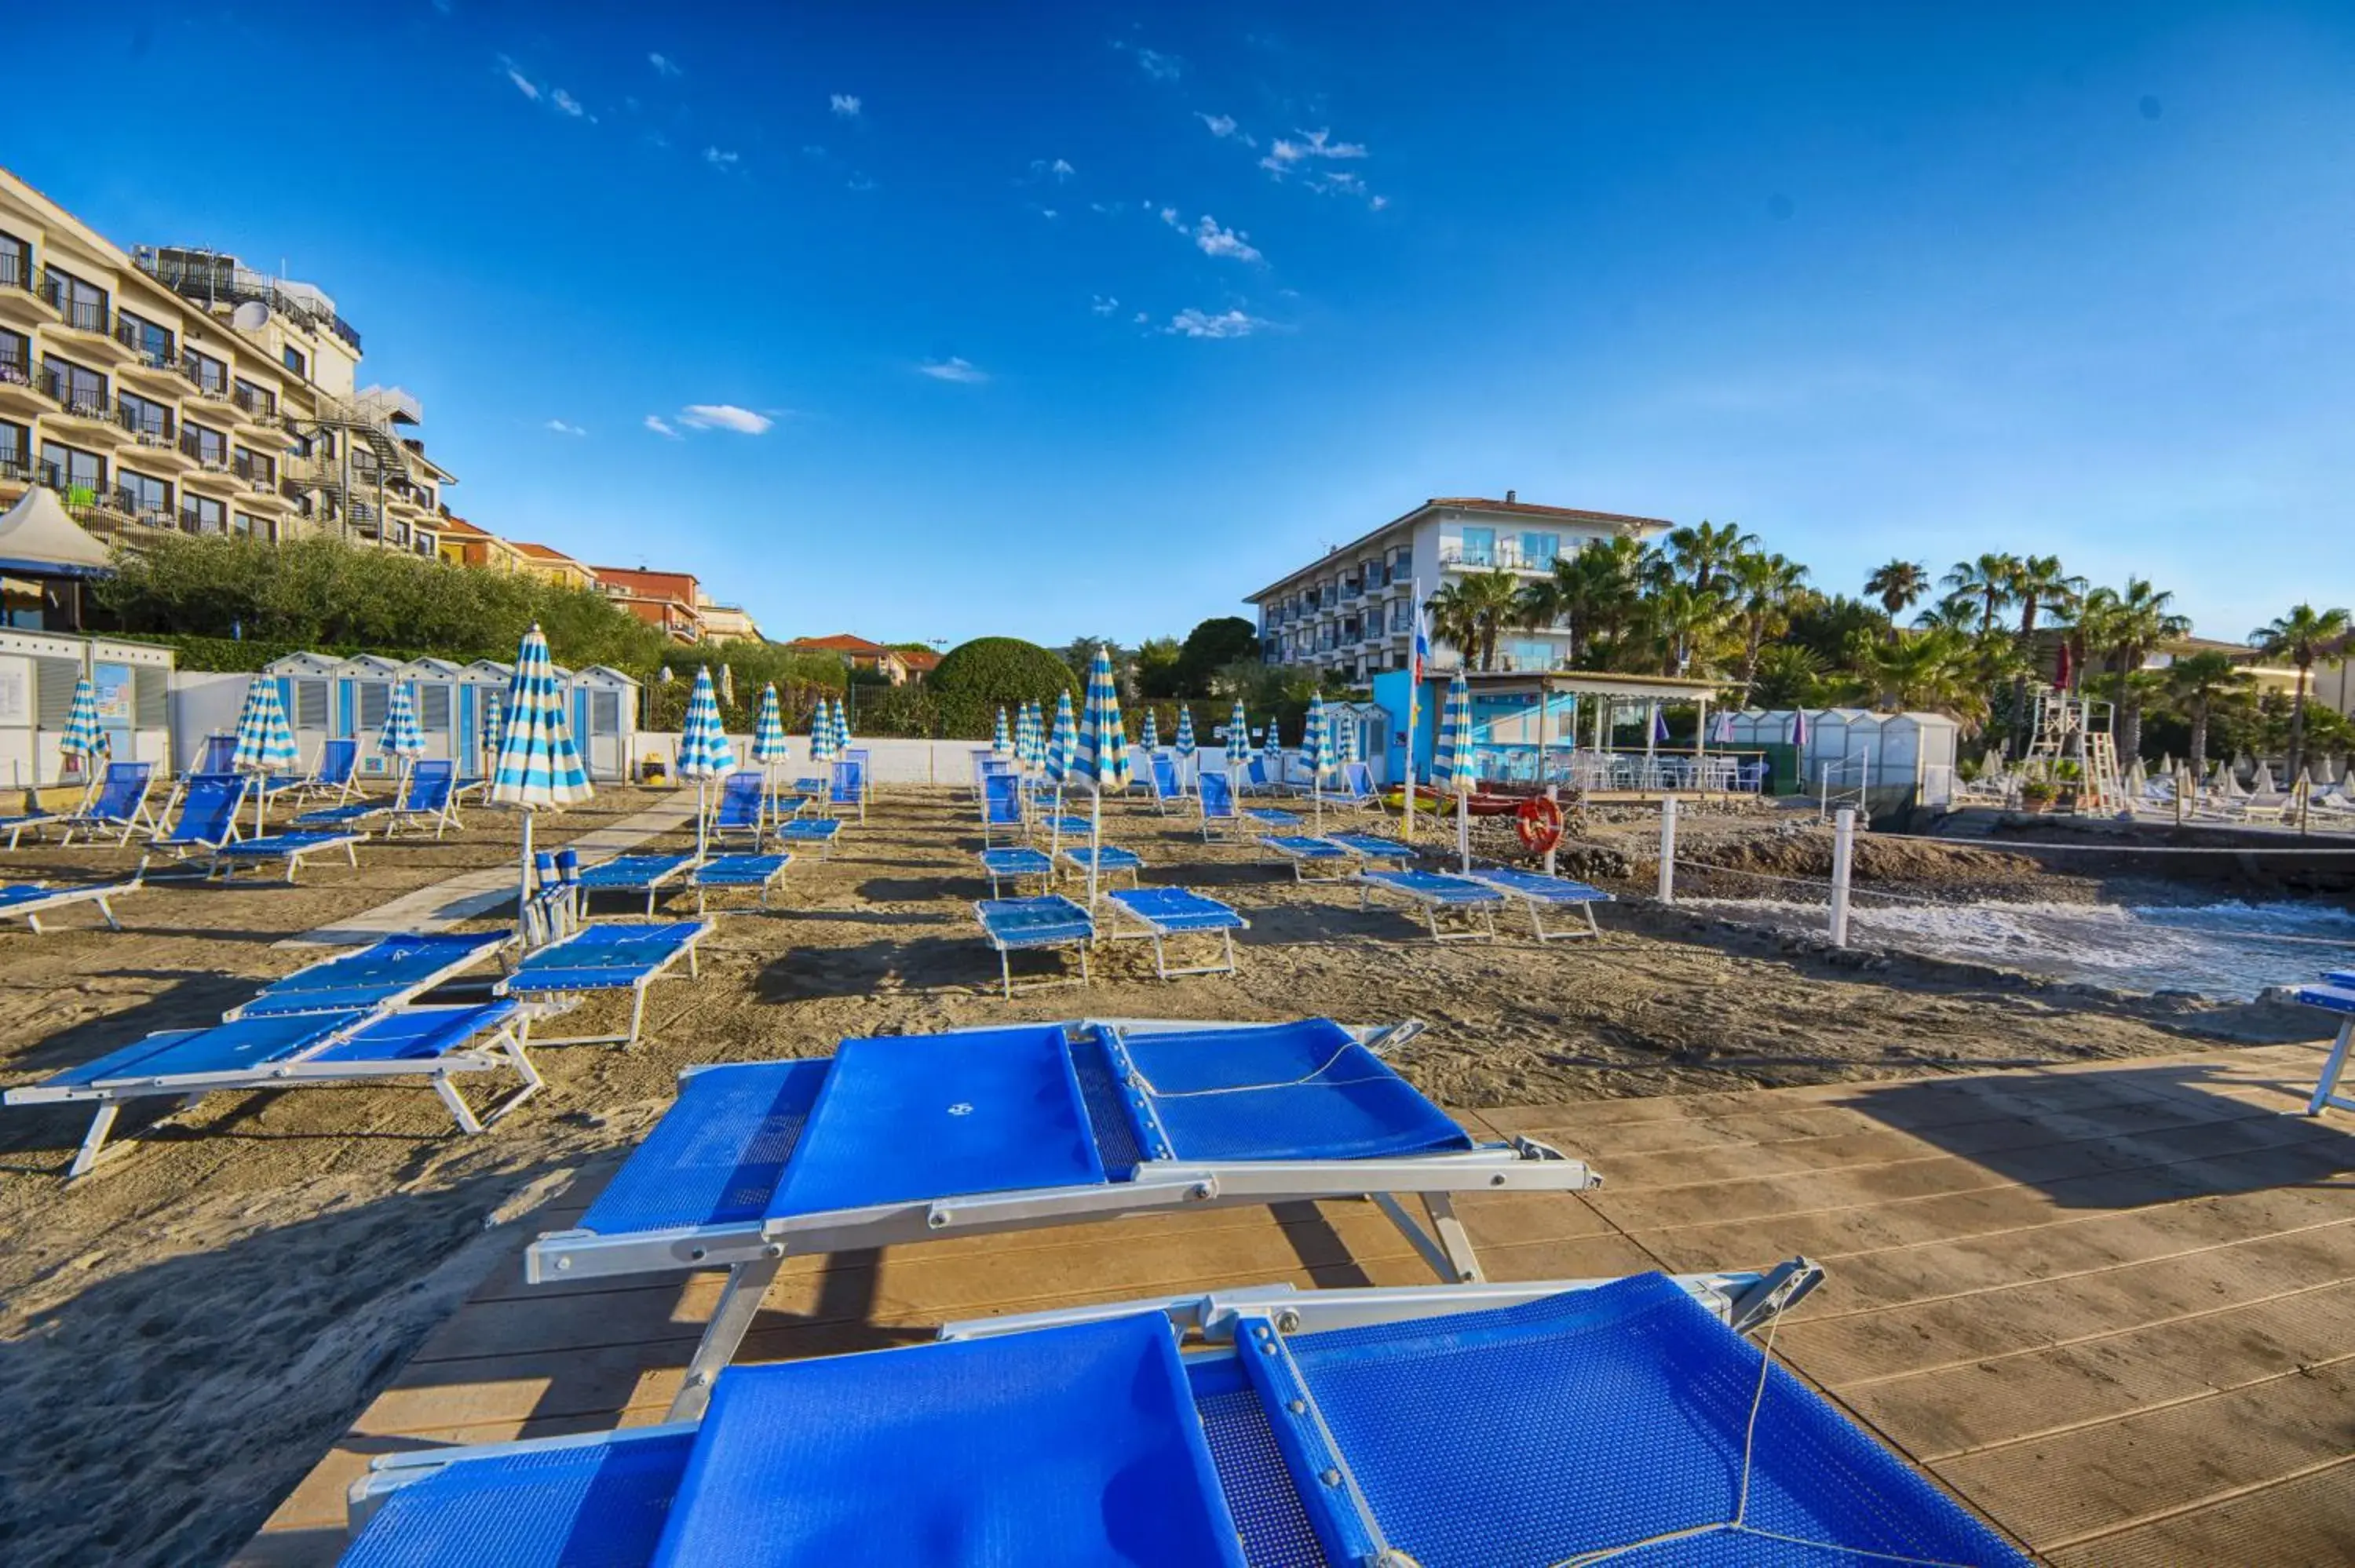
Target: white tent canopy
pixel 36 536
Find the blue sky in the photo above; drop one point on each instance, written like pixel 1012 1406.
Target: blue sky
pixel 930 320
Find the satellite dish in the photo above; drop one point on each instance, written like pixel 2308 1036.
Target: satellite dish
pixel 250 316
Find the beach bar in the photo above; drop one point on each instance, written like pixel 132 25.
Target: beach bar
pixel 1594 731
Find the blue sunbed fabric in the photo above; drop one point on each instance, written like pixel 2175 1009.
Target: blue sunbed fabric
pixel 1177 909
pixel 416 1034
pixel 1016 861
pixel 1300 846
pixel 816 828
pixel 632 872
pixel 1538 886
pixel 1374 846
pixel 1066 827
pixel 591 1507
pixel 1628 1405
pixel 915 1117
pixel 1271 817
pixel 372 976
pixel 716 1156
pixel 2335 998
pixel 222 1048
pixel 1108 857
pixel 604 958
pixel 904 1456
pixel 1270 1093
pixel 1040 922
pixel 1436 885
pixel 740 870
pixel 26 893
pixel 343 816
pixel 277 846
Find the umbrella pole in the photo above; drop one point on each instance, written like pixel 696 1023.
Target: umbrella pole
pixel 700 786
pixel 1463 829
pixel 256 784
pixel 523 884
pixel 1095 843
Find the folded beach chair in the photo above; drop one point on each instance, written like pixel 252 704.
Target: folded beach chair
pixel 389 972
pixel 738 813
pixel 1538 893
pixel 1001 807
pixel 1161 776
pixel 336 774
pixel 216 753
pixel 1434 892
pixel 724 872
pixel 849 786
pixel 1109 859
pixel 622 956
pixel 1304 851
pixel 1356 788
pixel 298 1050
pixel 2334 994
pixel 1257 780
pixel 819 830
pixel 913 1137
pixel 1375 848
pixel 1165 914
pixel 429 796
pixel 1046 920
pixel 987 764
pixel 28 901
pixel 205 829
pixel 1012 863
pixel 118 807
pixel 638 875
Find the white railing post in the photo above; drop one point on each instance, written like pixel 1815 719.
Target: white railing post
pixel 1667 849
pixel 1843 858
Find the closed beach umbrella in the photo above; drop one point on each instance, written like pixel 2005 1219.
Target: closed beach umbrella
pixel 822 747
pixel 1026 749
pixel 82 737
pixel 400 738
pixel 769 743
pixel 841 728
pixel 265 743
pixel 1800 727
pixel 538 768
pixel 1184 744
pixel 1317 741
pixel 705 751
pixel 1238 744
pixel 1001 739
pixel 1103 759
pixel 494 720
pixel 1064 747
pixel 1149 732
pixel 1451 764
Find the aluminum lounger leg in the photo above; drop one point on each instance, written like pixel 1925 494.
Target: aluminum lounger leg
pixel 94 1139
pixel 637 1014
pixel 739 1303
pixel 2325 1087
pixel 1453 1238
pixel 1005 971
pixel 458 1110
pixel 1443 1245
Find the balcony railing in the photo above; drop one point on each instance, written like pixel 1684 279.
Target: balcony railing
pixel 193 521
pixel 1505 553
pixel 15 271
pixel 81 315
pixel 15 371
pixel 148 429
pixel 261 405
pixel 210 454
pixel 142 340
pixel 199 379
pixel 83 400
pixel 259 474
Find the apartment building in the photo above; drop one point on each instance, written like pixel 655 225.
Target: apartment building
pixel 552 565
pixel 664 600
pixel 462 543
pixel 725 623
pixel 1352 612
pixel 859 653
pixel 168 388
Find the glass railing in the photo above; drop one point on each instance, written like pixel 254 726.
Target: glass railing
pixel 1504 554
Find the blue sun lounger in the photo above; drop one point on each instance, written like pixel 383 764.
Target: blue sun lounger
pixel 1304 851
pixel 388 972
pixel 427 795
pixel 736 872
pixel 739 812
pixel 1012 863
pixel 1217 798
pixel 1002 816
pixel 1374 847
pixel 1168 913
pixel 118 808
pixel 1058 827
pixel 1110 860
pixel 33 823
pixel 1435 891
pixel 1021 925
pixel 28 901
pixel 1161 776
pixel 299 1050
pixel 1538 893
pixel 2334 994
pixel 205 828
pixel 911 1137
pixel 638 875
pixel 819 830
pixel 620 956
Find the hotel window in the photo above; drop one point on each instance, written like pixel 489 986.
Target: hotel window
pixel 1539 550
pixel 15 262
pixel 143 496
pixel 65 468
pixel 144 417
pixel 16 357
pixel 295 362
pixel 255 399
pixel 204 515
pixel 73 385
pixel 1476 546
pixel 252 464
pixel 208 374
pixel 207 447
pixel 84 305
pixel 247 523
pixel 153 342
pixel 15 449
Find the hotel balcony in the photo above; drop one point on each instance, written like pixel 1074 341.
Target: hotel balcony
pixel 18 393
pixel 1504 554
pixel 213 398
pixel 21 301
pixel 157 448
pixel 213 475
pixel 90 325
pixel 86 406
pixel 258 412
pixel 152 369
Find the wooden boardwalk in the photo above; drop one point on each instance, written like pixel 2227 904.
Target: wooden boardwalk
pixel 2111 1308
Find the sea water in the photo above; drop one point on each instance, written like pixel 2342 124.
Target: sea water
pixel 2227 951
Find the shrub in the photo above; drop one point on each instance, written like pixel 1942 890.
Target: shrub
pixel 975 679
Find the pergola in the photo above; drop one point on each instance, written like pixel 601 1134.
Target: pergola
pixel 1541 686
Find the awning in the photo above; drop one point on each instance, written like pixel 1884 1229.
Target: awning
pixel 38 537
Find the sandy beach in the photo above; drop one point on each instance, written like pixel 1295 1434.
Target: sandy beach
pixel 185 1331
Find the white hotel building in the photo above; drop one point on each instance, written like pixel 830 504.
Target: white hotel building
pixel 1352 610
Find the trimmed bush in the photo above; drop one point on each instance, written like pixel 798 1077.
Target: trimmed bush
pixel 975 679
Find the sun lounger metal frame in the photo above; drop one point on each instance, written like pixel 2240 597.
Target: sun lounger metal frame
pixel 496 1041
pixel 1413 885
pixel 1376 849
pixel 735 870
pixel 819 830
pixel 1301 851
pixel 2334 994
pixel 35 822
pixel 1008 943
pixel 1110 860
pixel 1205 917
pixel 1002 808
pixel 646 874
pixel 292 849
pixel 1012 863
pixel 1520 884
pixel 350 978
pixel 753 1251
pixel 530 978
pixel 103 812
pixel 29 909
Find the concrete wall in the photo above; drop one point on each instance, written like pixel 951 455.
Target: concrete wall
pixel 897 762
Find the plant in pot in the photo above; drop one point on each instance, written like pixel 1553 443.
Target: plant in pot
pixel 2038 795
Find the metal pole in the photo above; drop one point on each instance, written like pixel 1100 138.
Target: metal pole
pixel 1552 791
pixel 1843 858
pixel 1667 849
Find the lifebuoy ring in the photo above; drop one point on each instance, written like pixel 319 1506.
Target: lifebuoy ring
pixel 1538 821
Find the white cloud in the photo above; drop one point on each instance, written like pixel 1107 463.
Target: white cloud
pixel 1060 169
pixel 719 160
pixel 1169 217
pixel 1286 154
pixel 547 93
pixel 724 417
pixel 1142 318
pixel 1224 128
pixel 1378 203
pixel 559 428
pixel 1192 323
pixel 858 182
pixel 664 66
pixel 523 83
pixel 661 427
pixel 1212 240
pixel 961 371
pixel 846 105
pixel 565 103
pixel 1102 304
pixel 1153 62
pixel 1047 212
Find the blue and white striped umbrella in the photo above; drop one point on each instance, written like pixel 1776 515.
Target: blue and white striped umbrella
pixel 703 749
pixel 822 747
pixel 1451 764
pixel 1032 741
pixel 1064 750
pixel 1103 759
pixel 401 738
pixel 769 728
pixel 1001 739
pixel 842 726
pixel 82 737
pixel 493 722
pixel 1345 734
pixel 1317 741
pixel 538 765
pixel 1184 742
pixel 1238 738
pixel 265 743
pixel 1149 732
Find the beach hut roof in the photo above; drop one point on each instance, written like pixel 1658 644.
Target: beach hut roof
pixel 364 665
pixel 432 669
pixel 606 675
pixel 302 664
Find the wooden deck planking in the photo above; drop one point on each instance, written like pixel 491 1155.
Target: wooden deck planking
pixel 2105 1304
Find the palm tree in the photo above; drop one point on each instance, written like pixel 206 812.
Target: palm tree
pixel 2127 628
pixel 1986 580
pixel 1470 611
pixel 2038 584
pixel 1897 585
pixel 2302 636
pixel 1685 621
pixel 1786 677
pixel 1927 671
pixel 1597 588
pixel 2198 682
pixel 1767 589
pixel 1707 552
